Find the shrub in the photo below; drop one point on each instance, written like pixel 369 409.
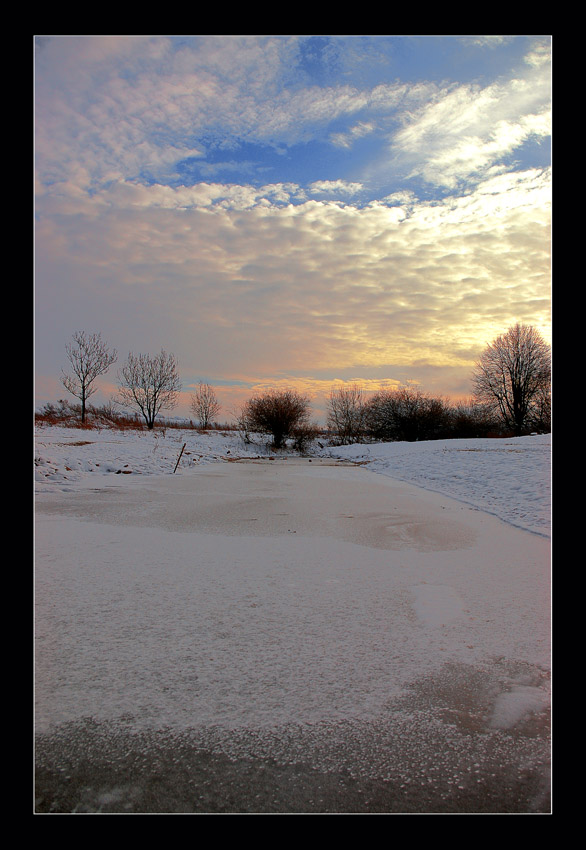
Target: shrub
pixel 473 420
pixel 279 413
pixel 406 414
pixel 303 435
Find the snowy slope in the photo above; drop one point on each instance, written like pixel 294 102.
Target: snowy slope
pixel 509 478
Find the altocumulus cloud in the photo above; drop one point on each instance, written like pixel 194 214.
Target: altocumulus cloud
pixel 288 275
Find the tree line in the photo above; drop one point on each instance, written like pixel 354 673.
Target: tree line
pixel 511 396
pixel 148 384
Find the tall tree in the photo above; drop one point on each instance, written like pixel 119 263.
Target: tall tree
pixel 149 384
pixel 513 376
pixel 89 357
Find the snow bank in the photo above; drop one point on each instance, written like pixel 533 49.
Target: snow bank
pixel 65 458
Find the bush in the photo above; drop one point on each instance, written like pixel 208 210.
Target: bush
pixel 473 420
pixel 304 435
pixel 406 414
pixel 280 414
pixel 68 415
pixel 61 413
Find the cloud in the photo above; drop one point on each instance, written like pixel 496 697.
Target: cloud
pixel 264 275
pixel 491 41
pixel 358 131
pixel 285 286
pixel 132 108
pixel 466 130
pixel 127 107
pixel 334 187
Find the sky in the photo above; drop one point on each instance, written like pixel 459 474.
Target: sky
pixel 291 211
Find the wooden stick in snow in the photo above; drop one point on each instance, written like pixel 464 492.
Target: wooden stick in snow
pixel 179 458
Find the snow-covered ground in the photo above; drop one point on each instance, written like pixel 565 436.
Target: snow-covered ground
pixel 509 478
pixel 388 619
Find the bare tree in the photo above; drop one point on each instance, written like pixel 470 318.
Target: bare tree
pixel 513 376
pixel 279 413
pixel 346 413
pixel 205 404
pixel 406 414
pixel 149 384
pixel 89 357
pixel 472 419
